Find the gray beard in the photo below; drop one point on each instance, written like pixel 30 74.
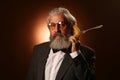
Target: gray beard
pixel 59 41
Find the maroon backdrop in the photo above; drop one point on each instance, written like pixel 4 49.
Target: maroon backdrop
pixel 17 37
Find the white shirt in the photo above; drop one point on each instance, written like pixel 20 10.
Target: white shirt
pixel 53 63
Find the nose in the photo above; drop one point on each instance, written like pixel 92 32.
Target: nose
pixel 57 28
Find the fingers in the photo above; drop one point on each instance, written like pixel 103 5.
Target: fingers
pixel 75 43
pixel 74 39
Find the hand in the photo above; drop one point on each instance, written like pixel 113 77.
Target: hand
pixel 75 43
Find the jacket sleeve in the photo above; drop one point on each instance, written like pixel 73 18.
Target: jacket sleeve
pixel 85 62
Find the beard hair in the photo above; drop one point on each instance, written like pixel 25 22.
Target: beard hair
pixel 59 41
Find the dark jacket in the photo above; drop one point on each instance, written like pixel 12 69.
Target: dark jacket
pixel 79 68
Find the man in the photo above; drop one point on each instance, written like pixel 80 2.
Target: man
pixel 63 58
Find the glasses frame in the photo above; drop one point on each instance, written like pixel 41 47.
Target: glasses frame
pixel 60 24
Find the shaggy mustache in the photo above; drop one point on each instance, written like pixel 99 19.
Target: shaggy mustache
pixel 59 41
pixel 57 34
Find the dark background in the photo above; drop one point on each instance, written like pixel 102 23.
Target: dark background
pixel 16 35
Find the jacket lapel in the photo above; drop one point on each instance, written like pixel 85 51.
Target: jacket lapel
pixel 64 66
pixel 42 61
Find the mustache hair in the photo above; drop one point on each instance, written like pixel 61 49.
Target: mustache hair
pixel 59 41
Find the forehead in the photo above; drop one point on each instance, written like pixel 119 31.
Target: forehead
pixel 57 18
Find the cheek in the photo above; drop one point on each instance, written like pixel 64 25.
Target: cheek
pixel 52 32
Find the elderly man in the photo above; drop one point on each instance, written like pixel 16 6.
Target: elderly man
pixel 63 57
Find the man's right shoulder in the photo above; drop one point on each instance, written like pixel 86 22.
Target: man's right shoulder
pixel 42 45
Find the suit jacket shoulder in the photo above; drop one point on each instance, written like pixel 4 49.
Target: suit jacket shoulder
pixel 45 44
pixel 88 53
pixel 41 47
